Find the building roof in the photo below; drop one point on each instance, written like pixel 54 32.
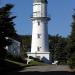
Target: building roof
pixel 43 1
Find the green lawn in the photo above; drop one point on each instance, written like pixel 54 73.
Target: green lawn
pixel 36 63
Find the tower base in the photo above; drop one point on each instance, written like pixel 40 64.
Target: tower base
pixel 44 56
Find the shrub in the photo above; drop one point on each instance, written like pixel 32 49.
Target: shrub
pixel 35 63
pixel 15 58
pixel 71 61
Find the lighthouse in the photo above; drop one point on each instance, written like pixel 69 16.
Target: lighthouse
pixel 39 44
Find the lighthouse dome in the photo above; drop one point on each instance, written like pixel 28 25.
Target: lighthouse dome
pixel 42 1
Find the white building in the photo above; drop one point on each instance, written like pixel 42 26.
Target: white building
pixel 14 48
pixel 39 45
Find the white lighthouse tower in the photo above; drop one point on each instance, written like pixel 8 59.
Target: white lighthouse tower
pixel 39 45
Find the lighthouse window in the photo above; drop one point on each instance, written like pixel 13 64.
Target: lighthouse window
pixel 34 12
pixel 36 4
pixel 38 23
pixel 39 35
pixel 38 48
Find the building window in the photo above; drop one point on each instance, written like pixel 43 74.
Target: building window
pixel 36 4
pixel 39 35
pixel 34 13
pixel 38 48
pixel 38 23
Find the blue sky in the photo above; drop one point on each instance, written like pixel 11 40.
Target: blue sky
pixel 60 12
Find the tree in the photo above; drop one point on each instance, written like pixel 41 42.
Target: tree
pixel 71 60
pixel 71 47
pixel 25 45
pixel 60 51
pixel 57 46
pixel 53 40
pixel 6 28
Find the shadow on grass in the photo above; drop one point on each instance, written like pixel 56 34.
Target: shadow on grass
pixel 43 73
pixel 6 66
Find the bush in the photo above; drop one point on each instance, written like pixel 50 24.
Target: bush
pixel 35 63
pixel 15 58
pixel 71 61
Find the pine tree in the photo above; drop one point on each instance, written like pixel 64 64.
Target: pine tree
pixel 53 40
pixel 71 54
pixel 60 52
pixel 6 28
pixel 57 46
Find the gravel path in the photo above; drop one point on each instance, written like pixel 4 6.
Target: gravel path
pixel 47 68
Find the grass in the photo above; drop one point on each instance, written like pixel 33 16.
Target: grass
pixel 14 62
pixel 36 63
pixel 32 63
pixel 10 66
